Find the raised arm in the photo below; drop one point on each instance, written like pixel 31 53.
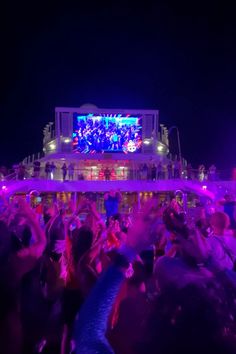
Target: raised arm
pixel 91 323
pixel 38 235
pixel 90 327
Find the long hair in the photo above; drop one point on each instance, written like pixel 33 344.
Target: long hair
pixel 77 244
pixel 82 240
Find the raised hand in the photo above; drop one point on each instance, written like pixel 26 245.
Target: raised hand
pixel 25 211
pixel 141 233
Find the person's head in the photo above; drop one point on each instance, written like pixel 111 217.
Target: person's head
pixel 219 222
pixel 175 222
pixel 117 217
pixel 112 193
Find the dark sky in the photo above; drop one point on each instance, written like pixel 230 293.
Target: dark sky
pixel 178 57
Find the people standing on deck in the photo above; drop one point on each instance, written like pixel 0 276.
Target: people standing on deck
pixel 21 171
pixel 48 170
pixel 64 171
pixel 140 171
pixel 107 174
pixel 177 169
pixel 111 203
pixel 145 171
pixel 113 174
pixel 212 173
pixel 149 174
pixel 189 171
pixel 101 174
pixel 53 169
pixel 154 172
pixel 71 170
pixel 201 173
pixel 159 170
pixel 170 170
pixel 36 168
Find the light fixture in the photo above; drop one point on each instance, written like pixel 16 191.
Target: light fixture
pixel 67 140
pixel 147 142
pixel 160 148
pixel 52 146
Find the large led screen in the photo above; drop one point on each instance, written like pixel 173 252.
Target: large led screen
pixel 94 133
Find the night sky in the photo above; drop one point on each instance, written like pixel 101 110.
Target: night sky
pixel 177 57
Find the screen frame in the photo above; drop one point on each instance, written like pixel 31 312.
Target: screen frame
pixel 133 146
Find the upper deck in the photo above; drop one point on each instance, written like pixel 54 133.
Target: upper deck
pixel 90 130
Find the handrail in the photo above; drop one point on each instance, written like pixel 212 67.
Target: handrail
pixel 31 158
pixel 10 177
pixel 121 173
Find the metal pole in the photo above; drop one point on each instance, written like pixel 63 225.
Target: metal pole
pixel 179 147
pixel 58 131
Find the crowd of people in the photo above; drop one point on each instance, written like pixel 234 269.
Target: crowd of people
pixel 69 171
pixel 104 135
pixel 154 281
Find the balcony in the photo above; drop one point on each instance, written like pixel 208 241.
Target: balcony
pixel 127 180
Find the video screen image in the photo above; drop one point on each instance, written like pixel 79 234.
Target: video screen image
pixel 107 133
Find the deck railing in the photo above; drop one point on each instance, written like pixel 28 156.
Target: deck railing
pixel 29 160
pixel 119 174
